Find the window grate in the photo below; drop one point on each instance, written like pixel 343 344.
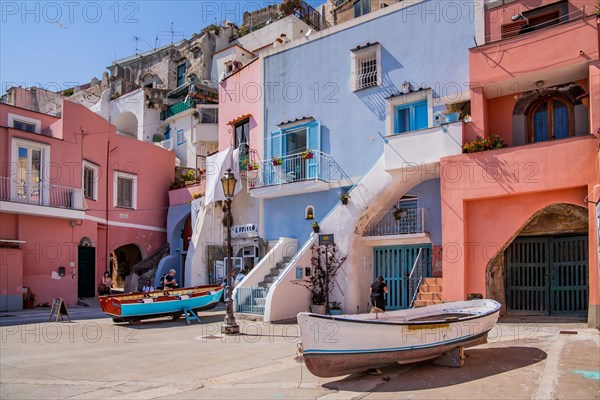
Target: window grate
pixel 366 68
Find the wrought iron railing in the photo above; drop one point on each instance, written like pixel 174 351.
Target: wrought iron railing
pixel 251 300
pixel 40 193
pixel 297 167
pixel 416 277
pixel 398 222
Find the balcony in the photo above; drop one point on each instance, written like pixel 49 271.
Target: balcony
pixel 555 55
pixel 423 146
pixel 398 226
pixel 30 197
pixel 296 174
pixel 177 108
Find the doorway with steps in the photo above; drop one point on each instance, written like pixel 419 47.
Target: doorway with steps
pixel 394 264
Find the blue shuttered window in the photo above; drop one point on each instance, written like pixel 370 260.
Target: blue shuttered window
pixel 410 117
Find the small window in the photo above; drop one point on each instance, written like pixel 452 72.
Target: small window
pixel 310 212
pixel 410 117
pixel 366 67
pixel 24 126
pixel 362 7
pixel 181 74
pixel 209 116
pixel 90 180
pixel 180 137
pixel 125 188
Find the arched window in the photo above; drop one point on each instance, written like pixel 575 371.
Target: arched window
pixel 550 118
pixel 309 212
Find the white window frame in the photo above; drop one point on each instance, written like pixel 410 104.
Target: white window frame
pixel 133 178
pixel 359 56
pixel 408 98
pixel 96 169
pixel 19 118
pixel 44 162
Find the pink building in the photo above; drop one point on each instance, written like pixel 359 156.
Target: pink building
pixel 73 195
pixel 520 224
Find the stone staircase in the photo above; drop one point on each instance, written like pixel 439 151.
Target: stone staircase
pixel 275 271
pixel 430 292
pixel 259 297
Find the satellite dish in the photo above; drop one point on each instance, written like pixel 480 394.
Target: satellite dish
pixel 308 33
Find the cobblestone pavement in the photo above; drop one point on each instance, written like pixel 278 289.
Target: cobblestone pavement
pixel 92 358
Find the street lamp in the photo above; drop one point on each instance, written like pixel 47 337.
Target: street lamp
pixel 229 326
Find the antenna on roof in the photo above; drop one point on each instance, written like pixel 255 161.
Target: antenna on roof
pixel 172 33
pixel 136 44
pixel 156 42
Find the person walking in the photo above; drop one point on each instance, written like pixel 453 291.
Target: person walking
pixel 378 291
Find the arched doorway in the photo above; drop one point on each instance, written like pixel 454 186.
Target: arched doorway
pixel 86 268
pixel 126 257
pixel 127 124
pixel 543 269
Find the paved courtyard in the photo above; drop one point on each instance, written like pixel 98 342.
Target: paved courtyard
pixel 91 358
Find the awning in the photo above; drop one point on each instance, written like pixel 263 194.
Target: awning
pixel 239 119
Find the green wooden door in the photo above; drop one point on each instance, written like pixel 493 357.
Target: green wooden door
pixel 394 263
pixel 86 258
pixel 547 276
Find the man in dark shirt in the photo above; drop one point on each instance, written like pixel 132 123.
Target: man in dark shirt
pixel 170 282
pixel 378 291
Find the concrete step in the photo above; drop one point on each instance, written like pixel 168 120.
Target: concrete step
pixel 423 303
pixel 430 289
pixel 432 282
pixel 429 296
pixel 270 278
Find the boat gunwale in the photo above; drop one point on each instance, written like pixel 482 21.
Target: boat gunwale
pixel 462 339
pixel 405 323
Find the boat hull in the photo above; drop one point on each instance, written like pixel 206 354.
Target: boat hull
pixel 160 303
pixel 334 346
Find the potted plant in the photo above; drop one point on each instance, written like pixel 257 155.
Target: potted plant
pixel 344 198
pixel 325 267
pixel 277 161
pixel 308 154
pixel 28 298
pixel 253 166
pixel 335 308
pixel 315 226
pixel 399 213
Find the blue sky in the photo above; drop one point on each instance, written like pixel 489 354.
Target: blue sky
pixel 58 44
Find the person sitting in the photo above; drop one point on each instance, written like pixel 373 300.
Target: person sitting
pixel 105 284
pixel 148 287
pixel 169 280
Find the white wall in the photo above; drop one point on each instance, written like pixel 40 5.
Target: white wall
pixel 374 193
pixel 291 26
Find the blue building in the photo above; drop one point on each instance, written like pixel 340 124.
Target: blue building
pixel 358 108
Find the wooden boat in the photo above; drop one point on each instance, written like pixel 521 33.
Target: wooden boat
pixel 345 344
pixel 159 303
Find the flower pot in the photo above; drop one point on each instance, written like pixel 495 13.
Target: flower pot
pixel 452 117
pixel 316 229
pixel 335 312
pixel 344 200
pixel 317 308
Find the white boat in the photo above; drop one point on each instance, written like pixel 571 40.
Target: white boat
pixel 345 344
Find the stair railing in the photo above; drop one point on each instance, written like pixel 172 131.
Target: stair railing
pixel 415 278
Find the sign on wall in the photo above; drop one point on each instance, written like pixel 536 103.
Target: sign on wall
pixel 244 231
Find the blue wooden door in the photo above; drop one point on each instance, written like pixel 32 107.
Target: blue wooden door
pixel 547 276
pixel 394 263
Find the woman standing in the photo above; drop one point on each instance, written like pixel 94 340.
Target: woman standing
pixel 105 284
pixel 378 291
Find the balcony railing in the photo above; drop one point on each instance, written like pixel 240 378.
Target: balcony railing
pixel 297 167
pixel 177 108
pixel 251 300
pixel 393 222
pixel 40 193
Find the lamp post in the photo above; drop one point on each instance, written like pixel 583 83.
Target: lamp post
pixel 230 326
